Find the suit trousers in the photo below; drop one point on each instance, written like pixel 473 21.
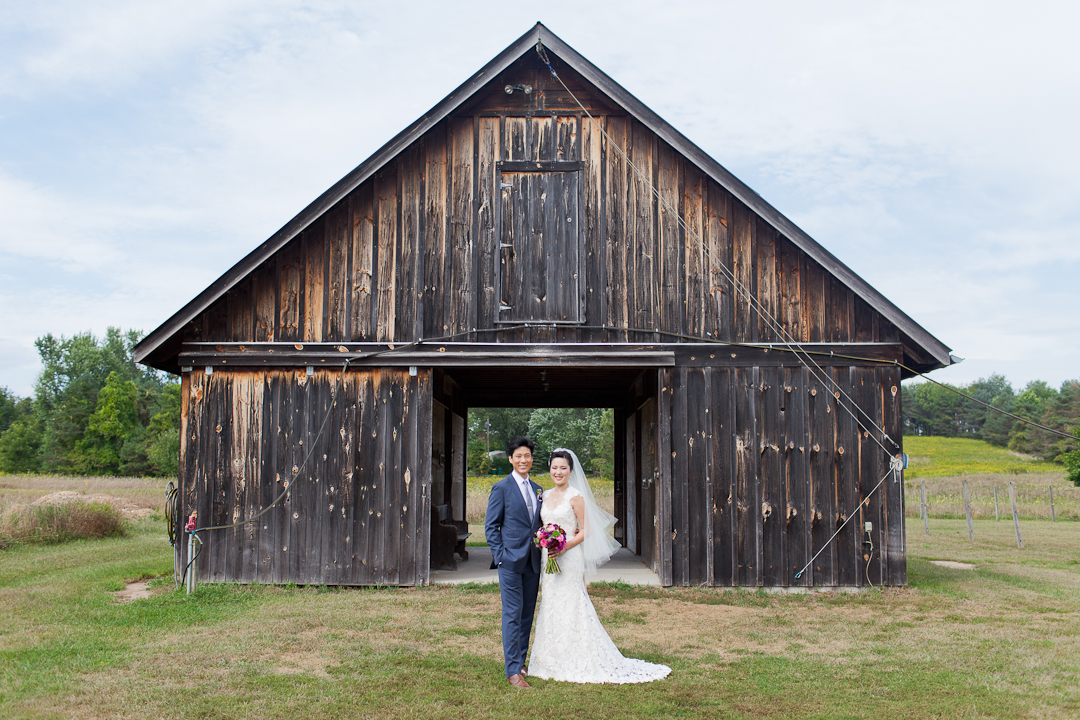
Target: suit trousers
pixel 518 592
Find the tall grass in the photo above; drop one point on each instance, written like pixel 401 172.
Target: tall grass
pixel 50 524
pixel 946 457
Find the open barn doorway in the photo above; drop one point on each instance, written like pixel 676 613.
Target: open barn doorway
pixel 467 453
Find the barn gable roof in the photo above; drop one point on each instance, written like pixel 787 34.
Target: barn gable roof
pixel 165 340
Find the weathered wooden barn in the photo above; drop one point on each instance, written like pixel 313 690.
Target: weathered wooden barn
pixel 503 251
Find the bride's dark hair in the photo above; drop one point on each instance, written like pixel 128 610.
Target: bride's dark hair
pixel 562 454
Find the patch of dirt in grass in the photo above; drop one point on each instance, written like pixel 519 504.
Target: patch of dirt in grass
pixel 301 663
pixel 132 591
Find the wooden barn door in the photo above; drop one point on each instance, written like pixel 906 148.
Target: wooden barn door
pixel 540 270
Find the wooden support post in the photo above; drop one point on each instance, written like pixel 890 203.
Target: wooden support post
pixel 1016 516
pixel 923 508
pixel 1053 515
pixel 997 514
pixel 967 511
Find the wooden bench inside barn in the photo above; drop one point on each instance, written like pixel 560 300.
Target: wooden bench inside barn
pixel 447 538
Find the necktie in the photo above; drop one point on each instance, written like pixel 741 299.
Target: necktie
pixel 530 502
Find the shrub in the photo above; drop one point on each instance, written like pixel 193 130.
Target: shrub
pixel 49 524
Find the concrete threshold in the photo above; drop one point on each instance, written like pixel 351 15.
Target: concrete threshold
pixel 624 566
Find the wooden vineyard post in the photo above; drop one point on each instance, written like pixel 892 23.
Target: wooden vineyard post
pixel 967 511
pixel 1016 516
pixel 923 509
pixel 1053 515
pixel 997 514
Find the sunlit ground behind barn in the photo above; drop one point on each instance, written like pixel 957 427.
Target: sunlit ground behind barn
pixel 1001 640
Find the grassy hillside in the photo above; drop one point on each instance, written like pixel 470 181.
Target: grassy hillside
pixel 948 457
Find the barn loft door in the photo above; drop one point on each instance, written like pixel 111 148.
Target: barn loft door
pixel 540 254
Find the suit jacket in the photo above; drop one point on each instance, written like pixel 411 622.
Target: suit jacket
pixel 509 528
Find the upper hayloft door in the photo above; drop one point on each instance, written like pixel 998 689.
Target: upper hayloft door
pixel 540 255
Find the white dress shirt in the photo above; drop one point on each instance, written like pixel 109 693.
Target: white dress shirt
pixel 526 492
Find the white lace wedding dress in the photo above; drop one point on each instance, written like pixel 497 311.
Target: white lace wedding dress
pixel 570 643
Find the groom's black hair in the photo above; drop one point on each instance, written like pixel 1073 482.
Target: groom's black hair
pixel 520 442
pixel 565 454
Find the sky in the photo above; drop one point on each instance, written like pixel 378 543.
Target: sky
pixel 933 147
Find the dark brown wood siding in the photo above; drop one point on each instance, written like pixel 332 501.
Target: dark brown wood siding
pixel 767 464
pixel 356 513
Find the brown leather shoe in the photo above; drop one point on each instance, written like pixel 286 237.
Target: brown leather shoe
pixel 524 671
pixel 517 681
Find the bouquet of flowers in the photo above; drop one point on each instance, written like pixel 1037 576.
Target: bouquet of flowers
pixel 552 537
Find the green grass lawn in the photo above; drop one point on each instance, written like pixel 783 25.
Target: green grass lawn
pixel 1000 641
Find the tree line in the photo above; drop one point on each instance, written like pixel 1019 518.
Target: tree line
pixel 934 409
pixel 589 432
pixel 93 412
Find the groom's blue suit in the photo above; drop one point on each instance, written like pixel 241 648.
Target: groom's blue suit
pixel 510 528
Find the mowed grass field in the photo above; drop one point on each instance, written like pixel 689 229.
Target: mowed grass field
pixel 1001 640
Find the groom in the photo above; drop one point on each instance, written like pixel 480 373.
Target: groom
pixel 513 517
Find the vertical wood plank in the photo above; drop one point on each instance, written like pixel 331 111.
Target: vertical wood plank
pixel 594 239
pixel 435 298
pixel 745 286
pixel 337 242
pixel 461 226
pixel 719 295
pixel 748 487
pixel 773 497
pixel 643 261
pixel 387 253
pixel 421 460
pixel 488 142
pixel 797 453
pixel 724 472
pixel 789 265
pixel 822 483
pixel 680 443
pixel 540 139
pixel 407 324
pixel 269 480
pixel 363 243
pixel 813 305
pixel 567 144
pixel 768 316
pixel 266 302
pixel 665 480
pixel 241 304
pixel 695 290
pixel 290 270
pixel 617 289
pixel 847 469
pixel 892 422
pixel 671 241
pixel 314 248
pixel 698 476
pixel 366 475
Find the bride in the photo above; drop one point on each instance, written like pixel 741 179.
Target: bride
pixel 570 642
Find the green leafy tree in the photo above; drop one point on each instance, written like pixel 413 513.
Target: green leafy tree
pixel 574 428
pixel 1030 404
pixel 163 433
pixel 603 442
pixel 1071 460
pixel 111 437
pixel 20 447
pixel 493 429
pixel 12 408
